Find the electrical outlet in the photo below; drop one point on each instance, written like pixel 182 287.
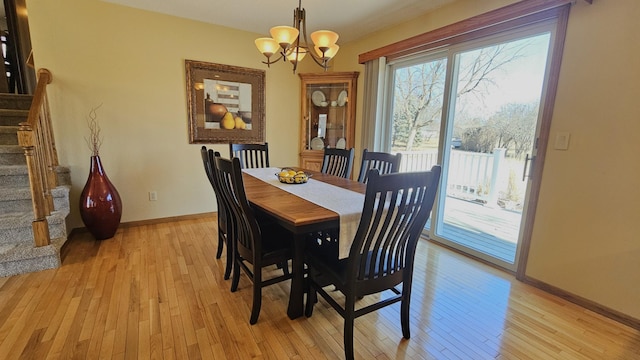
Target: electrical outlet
pixel 153 195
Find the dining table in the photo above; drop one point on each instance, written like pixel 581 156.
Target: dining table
pixel 323 202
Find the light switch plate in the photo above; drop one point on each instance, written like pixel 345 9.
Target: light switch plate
pixel 562 141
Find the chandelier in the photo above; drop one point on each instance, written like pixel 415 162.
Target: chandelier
pixel 292 45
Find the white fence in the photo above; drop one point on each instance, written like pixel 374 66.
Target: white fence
pixel 470 175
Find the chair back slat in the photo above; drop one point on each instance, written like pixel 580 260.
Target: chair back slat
pixel 338 162
pixel 223 207
pixel 396 208
pixel 385 163
pixel 223 211
pixel 250 155
pixel 246 229
pixel 207 165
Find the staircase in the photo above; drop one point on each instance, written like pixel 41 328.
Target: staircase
pixel 18 253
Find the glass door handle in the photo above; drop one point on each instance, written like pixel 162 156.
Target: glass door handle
pixel 526 161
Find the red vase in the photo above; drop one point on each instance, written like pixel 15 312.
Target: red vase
pixel 100 204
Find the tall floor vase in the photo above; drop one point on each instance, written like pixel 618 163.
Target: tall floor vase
pixel 100 204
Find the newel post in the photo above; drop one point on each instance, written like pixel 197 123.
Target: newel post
pixel 40 225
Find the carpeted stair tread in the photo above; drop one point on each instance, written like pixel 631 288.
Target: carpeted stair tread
pixel 13 170
pixel 13 117
pixel 11 149
pixel 14 193
pixel 14 112
pixel 22 258
pixel 8 129
pixel 15 101
pixel 17 175
pixel 18 199
pixel 12 155
pixel 16 228
pixel 12 252
pixel 9 135
pixel 19 193
pixel 24 219
pixel 20 169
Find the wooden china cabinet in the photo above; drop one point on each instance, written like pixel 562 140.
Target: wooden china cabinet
pixel 328 109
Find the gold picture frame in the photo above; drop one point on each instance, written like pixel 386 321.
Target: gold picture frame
pixel 226 103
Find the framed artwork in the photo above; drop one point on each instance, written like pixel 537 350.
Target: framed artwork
pixel 226 103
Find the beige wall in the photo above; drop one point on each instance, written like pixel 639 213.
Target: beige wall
pixel 132 62
pixel 584 239
pixel 347 58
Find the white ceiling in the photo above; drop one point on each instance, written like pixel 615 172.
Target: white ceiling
pixel 351 19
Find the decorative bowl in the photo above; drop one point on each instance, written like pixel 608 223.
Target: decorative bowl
pixel 291 176
pixel 216 111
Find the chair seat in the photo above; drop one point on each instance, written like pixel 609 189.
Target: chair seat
pixel 334 271
pixel 276 243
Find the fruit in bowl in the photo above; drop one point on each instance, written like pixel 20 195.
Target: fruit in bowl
pixel 290 176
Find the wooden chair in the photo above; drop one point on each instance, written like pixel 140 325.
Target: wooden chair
pixel 223 216
pixel 250 155
pixel 384 162
pixel 338 162
pixel 395 210
pixel 258 245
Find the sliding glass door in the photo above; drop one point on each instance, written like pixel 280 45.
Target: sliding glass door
pixel 473 108
pixel 418 97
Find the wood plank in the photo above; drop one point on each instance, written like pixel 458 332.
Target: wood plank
pixel 129 297
pixel 276 201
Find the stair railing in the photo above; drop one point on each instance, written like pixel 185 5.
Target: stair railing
pixel 36 138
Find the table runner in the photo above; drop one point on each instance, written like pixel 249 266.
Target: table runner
pixel 346 203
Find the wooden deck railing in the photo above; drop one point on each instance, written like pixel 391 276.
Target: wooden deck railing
pixel 469 174
pixel 36 138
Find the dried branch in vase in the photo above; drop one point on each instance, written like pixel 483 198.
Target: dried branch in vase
pixel 95 139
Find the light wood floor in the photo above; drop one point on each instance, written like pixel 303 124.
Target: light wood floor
pixel 156 291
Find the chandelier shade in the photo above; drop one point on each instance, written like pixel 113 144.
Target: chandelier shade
pixel 329 53
pixel 267 46
pixel 291 44
pixel 296 54
pixel 324 38
pixel 284 35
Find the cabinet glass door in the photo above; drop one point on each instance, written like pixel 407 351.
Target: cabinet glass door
pixel 327 116
pixel 327 109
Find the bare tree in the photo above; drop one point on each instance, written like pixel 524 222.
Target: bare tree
pixel 475 75
pixel 511 128
pixel 514 126
pixel 419 89
pixel 418 100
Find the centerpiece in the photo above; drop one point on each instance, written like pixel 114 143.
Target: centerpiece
pixel 291 176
